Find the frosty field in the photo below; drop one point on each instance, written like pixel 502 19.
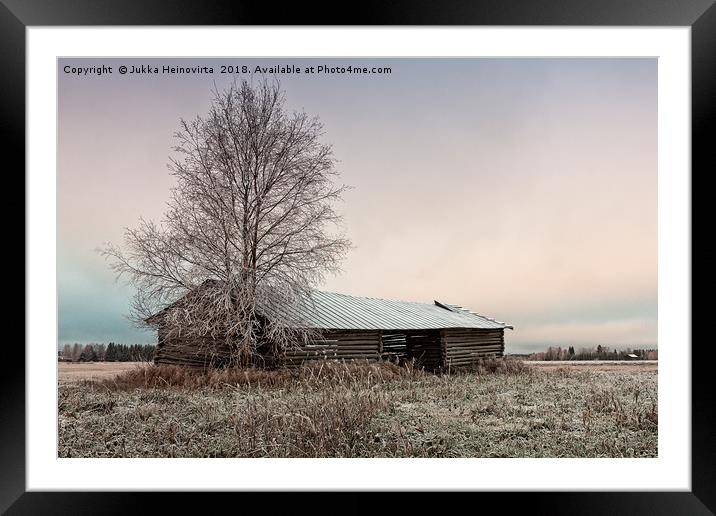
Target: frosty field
pixel 501 409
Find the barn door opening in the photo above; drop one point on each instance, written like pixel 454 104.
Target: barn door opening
pixel 421 347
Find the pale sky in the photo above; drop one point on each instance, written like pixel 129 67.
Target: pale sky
pixel 523 189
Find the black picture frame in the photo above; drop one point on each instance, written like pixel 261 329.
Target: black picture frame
pixel 700 15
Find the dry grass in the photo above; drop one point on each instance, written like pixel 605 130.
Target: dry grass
pixel 501 408
pixel 74 371
pixel 164 376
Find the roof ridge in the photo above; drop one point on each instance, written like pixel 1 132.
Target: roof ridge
pixel 374 298
pixel 449 306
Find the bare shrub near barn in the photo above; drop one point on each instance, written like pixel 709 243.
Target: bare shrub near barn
pixel 249 223
pixel 172 377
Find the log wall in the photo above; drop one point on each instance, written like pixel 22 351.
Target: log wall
pixel 395 345
pixel 200 353
pixel 431 349
pixel 463 347
pixel 338 345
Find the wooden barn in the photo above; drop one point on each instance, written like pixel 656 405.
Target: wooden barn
pixel 436 335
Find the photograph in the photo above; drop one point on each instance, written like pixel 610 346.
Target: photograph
pixel 409 257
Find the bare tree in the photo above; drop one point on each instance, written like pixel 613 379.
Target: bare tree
pixel 250 227
pixel 76 352
pixel 88 354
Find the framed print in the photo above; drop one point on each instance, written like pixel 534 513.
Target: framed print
pixel 439 250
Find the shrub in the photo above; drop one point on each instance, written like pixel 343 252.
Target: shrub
pixel 169 376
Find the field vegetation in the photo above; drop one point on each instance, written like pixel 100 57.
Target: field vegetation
pixel 501 408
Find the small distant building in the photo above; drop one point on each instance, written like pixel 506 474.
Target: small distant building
pixel 435 335
pixel 632 356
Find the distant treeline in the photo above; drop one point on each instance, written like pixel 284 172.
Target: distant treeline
pixel 107 352
pixel 598 353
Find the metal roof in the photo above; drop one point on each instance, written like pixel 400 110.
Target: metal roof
pixel 332 311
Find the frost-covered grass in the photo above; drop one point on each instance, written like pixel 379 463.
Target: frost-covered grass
pixel 503 409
